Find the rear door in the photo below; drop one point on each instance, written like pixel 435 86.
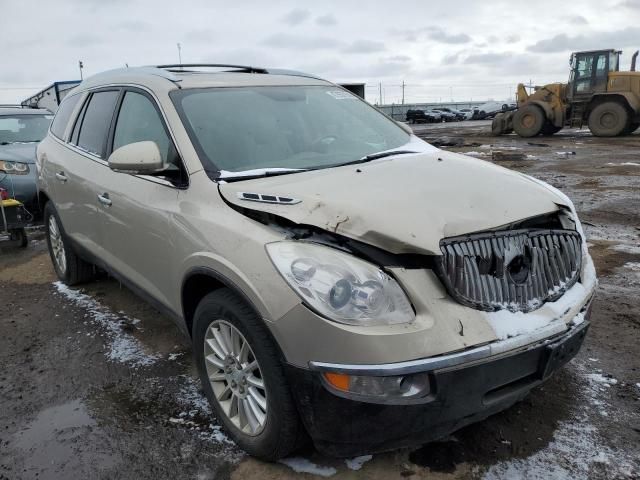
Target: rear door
pixel 79 171
pixel 138 223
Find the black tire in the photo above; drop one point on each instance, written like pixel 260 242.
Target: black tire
pixel 609 119
pixel 283 432
pixel 529 121
pixel 77 270
pixel 19 236
pixel 497 125
pixel 633 126
pixel 550 129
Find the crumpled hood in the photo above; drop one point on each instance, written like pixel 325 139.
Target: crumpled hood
pixel 403 204
pixel 19 152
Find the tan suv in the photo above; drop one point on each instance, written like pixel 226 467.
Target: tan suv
pixel 339 277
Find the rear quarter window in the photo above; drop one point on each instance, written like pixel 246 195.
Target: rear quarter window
pixel 61 119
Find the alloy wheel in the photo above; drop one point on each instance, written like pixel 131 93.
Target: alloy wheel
pixel 57 245
pixel 235 377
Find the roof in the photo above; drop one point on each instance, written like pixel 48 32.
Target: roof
pixel 197 76
pixel 4 111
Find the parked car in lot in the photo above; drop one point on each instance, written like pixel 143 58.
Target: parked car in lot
pixel 320 257
pixel 467 112
pixel 491 109
pixel 20 131
pixel 447 115
pixel 422 116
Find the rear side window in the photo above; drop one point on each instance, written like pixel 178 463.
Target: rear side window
pixel 96 122
pixel 62 115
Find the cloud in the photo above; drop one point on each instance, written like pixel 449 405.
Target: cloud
pixel 632 4
pixel 399 58
pixel 326 20
pixel 593 40
pixel 512 38
pixel 296 16
pixel 82 40
pixel 364 46
pixel 432 33
pixel 201 35
pixel 300 42
pixel 577 20
pixel 439 35
pixel 133 26
pixel 491 57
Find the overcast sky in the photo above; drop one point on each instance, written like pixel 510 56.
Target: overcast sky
pixel 458 49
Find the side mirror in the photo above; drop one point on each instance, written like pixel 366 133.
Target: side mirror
pixel 138 157
pixel 405 127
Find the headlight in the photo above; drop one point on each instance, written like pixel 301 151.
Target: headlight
pixel 15 168
pixel 340 286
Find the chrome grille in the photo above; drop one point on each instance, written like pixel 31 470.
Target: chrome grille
pixel 517 270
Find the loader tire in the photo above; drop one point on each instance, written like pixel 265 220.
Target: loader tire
pixel 497 125
pixel 529 121
pixel 608 119
pixel 550 129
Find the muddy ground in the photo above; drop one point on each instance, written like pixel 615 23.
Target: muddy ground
pixel 96 384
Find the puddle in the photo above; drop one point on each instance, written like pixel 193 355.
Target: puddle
pixel 58 440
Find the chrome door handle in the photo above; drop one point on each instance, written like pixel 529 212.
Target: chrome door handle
pixel 61 176
pixel 104 199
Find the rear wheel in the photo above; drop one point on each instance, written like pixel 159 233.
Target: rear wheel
pixel 243 377
pixel 608 119
pixel 529 121
pixel 69 267
pixel 550 129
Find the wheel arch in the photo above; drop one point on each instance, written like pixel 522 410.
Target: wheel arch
pixel 200 281
pixel 625 99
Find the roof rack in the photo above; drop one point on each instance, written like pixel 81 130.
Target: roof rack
pixel 180 67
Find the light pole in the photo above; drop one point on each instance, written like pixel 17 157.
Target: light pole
pixel 179 53
pixel 80 66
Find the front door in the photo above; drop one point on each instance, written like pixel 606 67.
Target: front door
pixel 137 223
pixel 590 74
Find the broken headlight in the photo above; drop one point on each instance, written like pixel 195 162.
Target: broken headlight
pixel 340 286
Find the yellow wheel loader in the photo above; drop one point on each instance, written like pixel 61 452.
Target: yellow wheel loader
pixel 598 94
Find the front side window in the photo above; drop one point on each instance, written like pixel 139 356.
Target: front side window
pixel 96 120
pixel 61 119
pixel 300 127
pixel 23 128
pixel 138 121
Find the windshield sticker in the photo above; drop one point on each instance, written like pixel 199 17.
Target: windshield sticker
pixel 341 95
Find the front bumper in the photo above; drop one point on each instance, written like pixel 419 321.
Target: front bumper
pixel 460 394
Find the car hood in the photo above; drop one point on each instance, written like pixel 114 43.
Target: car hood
pixel 402 204
pixel 19 152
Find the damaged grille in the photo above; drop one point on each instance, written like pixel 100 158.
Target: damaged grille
pixel 517 270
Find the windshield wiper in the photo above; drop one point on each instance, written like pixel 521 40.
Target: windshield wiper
pixel 258 173
pixel 375 156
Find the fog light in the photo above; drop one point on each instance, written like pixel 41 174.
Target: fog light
pixel 389 387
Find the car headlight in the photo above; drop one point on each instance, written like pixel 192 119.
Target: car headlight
pixel 340 286
pixel 15 168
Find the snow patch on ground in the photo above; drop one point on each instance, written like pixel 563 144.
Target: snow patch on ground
pixel 624 248
pixel 302 465
pixel 122 346
pixel 576 450
pixel 633 164
pixel 357 462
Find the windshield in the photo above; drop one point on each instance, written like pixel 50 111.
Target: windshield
pixel 23 128
pixel 293 127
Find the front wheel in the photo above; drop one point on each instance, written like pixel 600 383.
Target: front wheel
pixel 69 267
pixel 243 377
pixel 529 121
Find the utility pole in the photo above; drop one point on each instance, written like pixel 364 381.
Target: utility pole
pixel 380 93
pixel 80 66
pixel 179 53
pixel 403 92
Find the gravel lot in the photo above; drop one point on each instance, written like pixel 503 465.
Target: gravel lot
pixel 96 384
